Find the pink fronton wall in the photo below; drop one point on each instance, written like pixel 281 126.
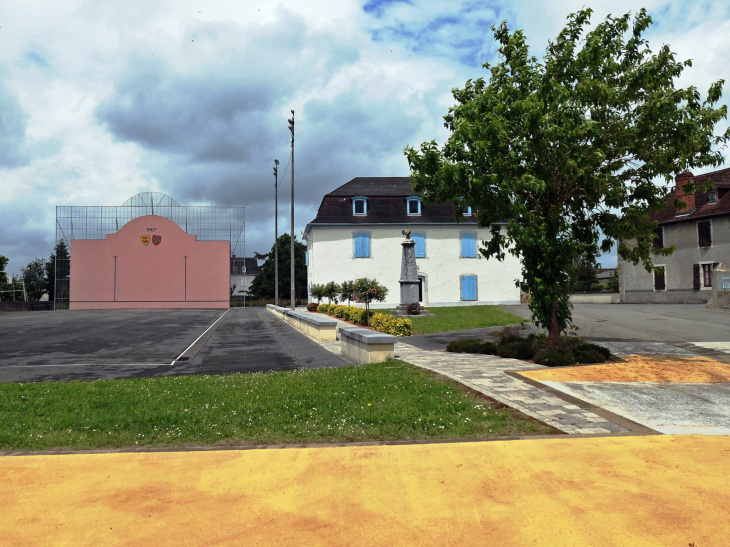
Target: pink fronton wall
pixel 121 272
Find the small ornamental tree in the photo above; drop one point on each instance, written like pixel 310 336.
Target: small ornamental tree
pixel 332 292
pixel 366 291
pixel 346 291
pixel 571 147
pixel 317 291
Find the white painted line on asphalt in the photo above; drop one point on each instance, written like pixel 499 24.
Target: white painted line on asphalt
pixel 199 337
pixel 93 365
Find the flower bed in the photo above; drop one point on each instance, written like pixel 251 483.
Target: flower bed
pixel 378 321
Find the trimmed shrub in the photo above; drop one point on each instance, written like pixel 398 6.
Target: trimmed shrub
pixel 391 325
pixel 323 308
pixel 585 346
pixel 331 309
pixel 357 316
pixel 339 311
pixel 472 345
pixel 588 356
pixel 521 348
pixel 403 327
pixel 554 358
pixel 312 307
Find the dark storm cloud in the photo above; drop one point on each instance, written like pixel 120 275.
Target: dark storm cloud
pixel 213 134
pixel 21 241
pixel 205 117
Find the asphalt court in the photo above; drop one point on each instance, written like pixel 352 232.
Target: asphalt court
pixel 107 344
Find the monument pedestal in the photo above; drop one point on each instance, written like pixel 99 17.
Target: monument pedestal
pixel 409 283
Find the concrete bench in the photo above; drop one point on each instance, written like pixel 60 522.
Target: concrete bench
pixel 278 310
pixel 319 328
pixel 366 346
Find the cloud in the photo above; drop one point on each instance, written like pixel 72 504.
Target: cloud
pixel 121 98
pixel 13 125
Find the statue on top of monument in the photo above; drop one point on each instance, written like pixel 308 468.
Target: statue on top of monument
pixel 407 232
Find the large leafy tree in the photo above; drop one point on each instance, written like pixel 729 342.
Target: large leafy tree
pixel 34 277
pixel 5 288
pixel 263 284
pixel 571 150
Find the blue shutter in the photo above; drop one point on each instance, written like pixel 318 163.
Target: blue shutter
pixel 362 245
pixel 468 245
pixel 468 287
pixel 306 258
pixel 366 245
pixel 420 239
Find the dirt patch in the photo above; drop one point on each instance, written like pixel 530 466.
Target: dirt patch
pixel 642 368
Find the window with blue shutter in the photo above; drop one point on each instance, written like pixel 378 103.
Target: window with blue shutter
pixel 468 245
pixel 306 258
pixel 420 239
pixel 468 287
pixel 362 245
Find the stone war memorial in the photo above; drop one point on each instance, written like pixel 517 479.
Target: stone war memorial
pixel 150 252
pixel 409 282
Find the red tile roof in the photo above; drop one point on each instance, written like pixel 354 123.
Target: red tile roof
pixel 703 208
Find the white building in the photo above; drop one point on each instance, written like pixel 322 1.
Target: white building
pixel 357 233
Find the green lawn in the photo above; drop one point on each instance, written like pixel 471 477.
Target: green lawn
pixel 392 400
pixel 462 317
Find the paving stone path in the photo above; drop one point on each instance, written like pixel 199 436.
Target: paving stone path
pixel 487 374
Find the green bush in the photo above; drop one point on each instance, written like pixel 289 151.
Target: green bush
pixel 403 327
pixel 357 316
pixel 585 346
pixel 339 311
pixel 312 306
pixel 390 325
pixel 554 357
pixel 588 356
pixel 522 348
pixel 472 345
pixel 322 308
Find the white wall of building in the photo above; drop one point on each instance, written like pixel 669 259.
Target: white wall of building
pixel 332 258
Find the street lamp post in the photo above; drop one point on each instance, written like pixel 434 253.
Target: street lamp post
pixel 276 232
pixel 291 242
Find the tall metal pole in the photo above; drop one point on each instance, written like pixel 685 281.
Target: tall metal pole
pixel 276 232
pixel 291 243
pixel 245 282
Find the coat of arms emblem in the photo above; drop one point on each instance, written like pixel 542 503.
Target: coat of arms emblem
pixel 145 240
pixel 156 240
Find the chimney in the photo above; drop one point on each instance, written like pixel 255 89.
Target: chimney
pixel 680 180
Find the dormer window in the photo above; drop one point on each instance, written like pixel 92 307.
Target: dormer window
pixel 713 196
pixel 465 209
pixel 413 206
pixel 360 206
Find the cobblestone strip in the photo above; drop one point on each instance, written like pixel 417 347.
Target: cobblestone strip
pixel 486 374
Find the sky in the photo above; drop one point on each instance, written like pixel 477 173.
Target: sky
pixel 102 100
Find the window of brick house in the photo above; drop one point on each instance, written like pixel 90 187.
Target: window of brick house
pixel 704 233
pixel 707 275
pixel 659 241
pixel 659 279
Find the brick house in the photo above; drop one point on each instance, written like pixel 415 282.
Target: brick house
pixel 701 235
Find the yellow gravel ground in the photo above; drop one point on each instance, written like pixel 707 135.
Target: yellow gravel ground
pixel 641 368
pixel 623 491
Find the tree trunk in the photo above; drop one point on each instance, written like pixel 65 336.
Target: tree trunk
pixel 553 328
